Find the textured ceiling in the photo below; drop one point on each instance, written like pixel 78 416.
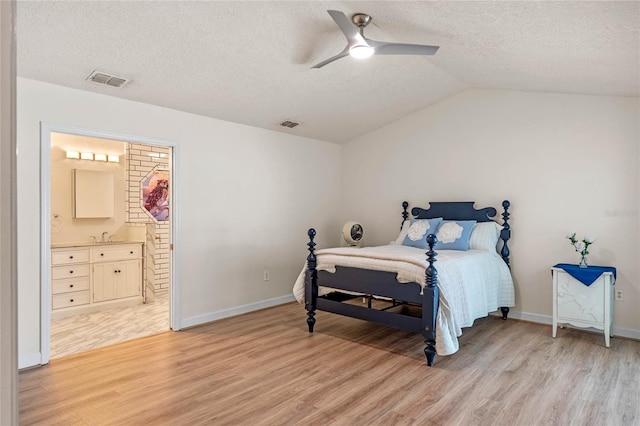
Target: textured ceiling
pixel 249 62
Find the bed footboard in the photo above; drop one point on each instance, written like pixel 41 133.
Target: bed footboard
pixel 376 283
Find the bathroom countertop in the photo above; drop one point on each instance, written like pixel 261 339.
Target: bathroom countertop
pixel 90 244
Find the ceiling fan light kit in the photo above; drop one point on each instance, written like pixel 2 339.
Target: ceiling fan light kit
pixel 361 51
pixel 358 46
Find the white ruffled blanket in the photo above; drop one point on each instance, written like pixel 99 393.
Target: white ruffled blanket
pixel 472 283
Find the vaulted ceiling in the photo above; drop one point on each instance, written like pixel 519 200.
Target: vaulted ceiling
pixel 250 62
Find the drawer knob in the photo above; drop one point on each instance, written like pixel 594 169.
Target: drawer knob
pixel 71 300
pixel 131 252
pixel 71 285
pixel 70 257
pixel 101 254
pixel 71 272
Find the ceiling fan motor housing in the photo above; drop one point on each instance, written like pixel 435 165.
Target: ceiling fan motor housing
pixel 361 19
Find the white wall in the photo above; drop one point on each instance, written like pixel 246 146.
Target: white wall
pixel 247 197
pixel 566 163
pixel 65 228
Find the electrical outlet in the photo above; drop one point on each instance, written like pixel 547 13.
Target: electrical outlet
pixel 266 275
pixel 619 294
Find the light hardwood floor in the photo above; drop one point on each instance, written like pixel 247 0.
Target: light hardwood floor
pixel 264 368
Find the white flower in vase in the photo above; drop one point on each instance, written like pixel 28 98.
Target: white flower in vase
pixel 581 247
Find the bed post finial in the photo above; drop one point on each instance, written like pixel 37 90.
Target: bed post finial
pixel 311 284
pixel 405 213
pixel 311 259
pixel 431 298
pixel 505 234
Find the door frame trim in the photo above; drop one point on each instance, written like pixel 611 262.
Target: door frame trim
pixel 45 224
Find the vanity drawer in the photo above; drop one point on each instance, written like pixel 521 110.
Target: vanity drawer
pixel 66 300
pixel 67 257
pixel 69 284
pixel 70 271
pixel 120 252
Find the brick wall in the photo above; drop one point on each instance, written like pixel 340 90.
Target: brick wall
pixel 141 161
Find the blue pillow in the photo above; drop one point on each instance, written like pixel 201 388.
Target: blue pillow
pixel 419 230
pixel 454 234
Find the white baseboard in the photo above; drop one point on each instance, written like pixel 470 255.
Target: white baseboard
pixel 31 360
pixel 546 319
pixel 626 332
pixel 525 316
pixel 231 312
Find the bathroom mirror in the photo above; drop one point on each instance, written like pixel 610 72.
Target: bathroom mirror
pixel 93 195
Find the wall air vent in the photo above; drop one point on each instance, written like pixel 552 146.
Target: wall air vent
pixel 105 79
pixel 289 124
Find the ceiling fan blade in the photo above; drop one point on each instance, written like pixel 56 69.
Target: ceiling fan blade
pixel 383 48
pixel 349 30
pixel 342 54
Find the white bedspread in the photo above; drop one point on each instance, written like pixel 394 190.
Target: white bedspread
pixel 472 283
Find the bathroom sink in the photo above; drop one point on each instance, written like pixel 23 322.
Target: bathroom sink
pixel 97 243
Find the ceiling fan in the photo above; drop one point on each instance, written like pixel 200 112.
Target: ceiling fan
pixel 359 46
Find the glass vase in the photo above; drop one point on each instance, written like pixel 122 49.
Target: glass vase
pixel 583 262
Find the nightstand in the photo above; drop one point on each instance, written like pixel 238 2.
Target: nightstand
pixel 583 297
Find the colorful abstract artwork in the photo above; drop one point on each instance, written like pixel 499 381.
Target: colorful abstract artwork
pixel 155 194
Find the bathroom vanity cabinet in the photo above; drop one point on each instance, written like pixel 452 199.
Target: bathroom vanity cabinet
pixel 70 281
pixel 89 278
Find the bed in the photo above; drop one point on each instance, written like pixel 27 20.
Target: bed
pixel 400 286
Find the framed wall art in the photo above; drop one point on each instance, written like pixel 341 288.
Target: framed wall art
pixel 155 194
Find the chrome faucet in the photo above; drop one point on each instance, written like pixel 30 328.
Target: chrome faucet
pixel 95 240
pixel 105 237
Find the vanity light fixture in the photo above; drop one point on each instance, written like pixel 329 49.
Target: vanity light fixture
pixel 111 158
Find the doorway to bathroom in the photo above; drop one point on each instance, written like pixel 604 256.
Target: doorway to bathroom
pixel 107 275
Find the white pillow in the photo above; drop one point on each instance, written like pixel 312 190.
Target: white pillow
pixel 485 236
pixel 403 232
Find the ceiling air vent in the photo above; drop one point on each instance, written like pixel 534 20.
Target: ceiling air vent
pixel 289 124
pixel 103 78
